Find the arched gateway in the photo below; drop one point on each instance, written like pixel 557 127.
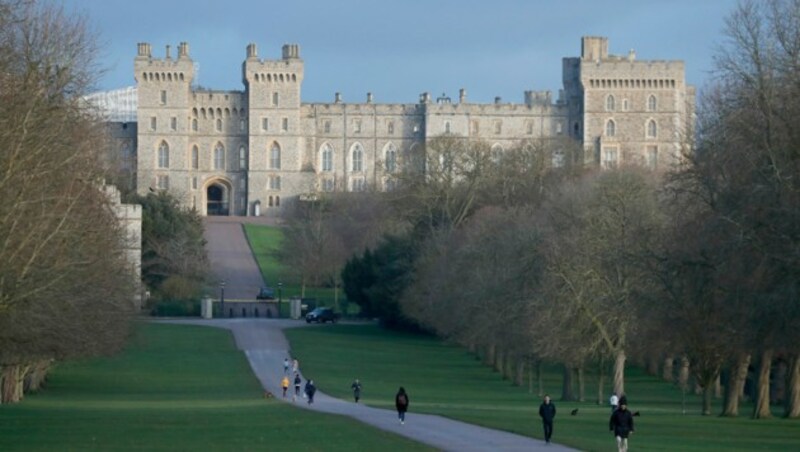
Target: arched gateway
pixel 218 198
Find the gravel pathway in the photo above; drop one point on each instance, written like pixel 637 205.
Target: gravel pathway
pixel 265 346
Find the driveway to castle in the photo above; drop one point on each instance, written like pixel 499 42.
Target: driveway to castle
pixel 265 346
pixel 231 259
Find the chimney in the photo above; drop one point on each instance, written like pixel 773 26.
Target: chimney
pixel 143 49
pixel 369 98
pixel 252 51
pixel 462 96
pixel 337 98
pixel 497 100
pixel 425 98
pixel 183 50
pixel 168 57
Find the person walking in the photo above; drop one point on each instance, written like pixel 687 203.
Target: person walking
pixel 547 411
pixel 401 403
pixel 285 365
pixel 310 390
pixel 285 385
pixel 614 402
pixel 621 424
pixel 356 386
pixel 297 382
pixel 295 366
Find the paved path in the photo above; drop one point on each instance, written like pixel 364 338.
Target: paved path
pixel 231 258
pixel 265 346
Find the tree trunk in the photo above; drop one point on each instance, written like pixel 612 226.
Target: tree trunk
pixel 601 397
pixel 489 357
pixel 652 365
pixel 708 392
pixel 667 370
pixel 683 375
pixel 539 382
pixel 519 375
pixel 733 390
pixel 38 374
pixel 619 373
pixel 498 361
pixel 12 384
pixel 510 367
pixel 761 409
pixel 793 398
pixel 717 387
pixel 581 386
pixel 566 388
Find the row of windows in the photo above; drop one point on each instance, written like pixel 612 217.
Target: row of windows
pixel 611 158
pixel 275 77
pixel 219 112
pixel 632 83
pixel 611 103
pixel 162 76
pixel 218 124
pixel 358 126
pixel 651 128
pixel 284 124
pixel 218 160
pixel 357 158
pixel 475 127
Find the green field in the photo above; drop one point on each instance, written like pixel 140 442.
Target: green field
pixel 446 380
pixel 174 388
pixel 266 241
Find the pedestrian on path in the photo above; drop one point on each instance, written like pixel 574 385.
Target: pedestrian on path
pixel 356 386
pixel 295 366
pixel 621 424
pixel 285 385
pixel 401 403
pixel 297 382
pixel 547 411
pixel 310 390
pixel 285 365
pixel 614 402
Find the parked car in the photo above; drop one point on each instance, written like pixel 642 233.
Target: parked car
pixel 266 293
pixel 322 315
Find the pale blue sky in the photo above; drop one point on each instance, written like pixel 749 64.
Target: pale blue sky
pixel 400 49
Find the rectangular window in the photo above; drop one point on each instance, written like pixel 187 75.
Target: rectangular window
pixel 390 128
pixel 173 123
pixel 163 97
pixel 153 123
pixel 447 127
pixel 359 185
pixel 242 125
pixel 265 124
pixel 610 155
pixel 163 182
pixel 498 127
pixel 529 127
pixel 242 184
pixel 242 158
pixel 327 185
pixel 475 127
pixel 285 124
pixel 559 128
pixel 274 182
pixel 327 127
pixel 275 98
pixel 356 126
pixel 194 183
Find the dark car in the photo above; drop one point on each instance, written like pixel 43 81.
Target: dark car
pixel 266 293
pixel 322 315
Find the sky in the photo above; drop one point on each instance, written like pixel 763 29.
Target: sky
pixel 399 49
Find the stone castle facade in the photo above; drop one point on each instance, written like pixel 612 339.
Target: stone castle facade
pixel 255 151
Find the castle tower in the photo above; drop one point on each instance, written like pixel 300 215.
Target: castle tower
pixel 276 135
pixel 628 112
pixel 163 89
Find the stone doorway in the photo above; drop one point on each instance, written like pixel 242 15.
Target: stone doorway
pixel 217 196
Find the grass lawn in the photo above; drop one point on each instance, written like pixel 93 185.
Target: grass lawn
pixel 446 380
pixel 174 388
pixel 266 242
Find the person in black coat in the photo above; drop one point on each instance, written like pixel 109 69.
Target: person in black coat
pixel 547 411
pixel 621 423
pixel 310 391
pixel 401 403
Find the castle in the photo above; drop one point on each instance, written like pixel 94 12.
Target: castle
pixel 255 151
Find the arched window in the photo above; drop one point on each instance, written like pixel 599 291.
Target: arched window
pixel 610 103
pixel 194 124
pixel 242 158
pixel 163 155
pixel 652 129
pixel 447 127
pixel 219 156
pixel 358 158
pixel 497 152
pixel 327 158
pixel 275 156
pixel 195 157
pixel 652 103
pixel 391 158
pixel 611 128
